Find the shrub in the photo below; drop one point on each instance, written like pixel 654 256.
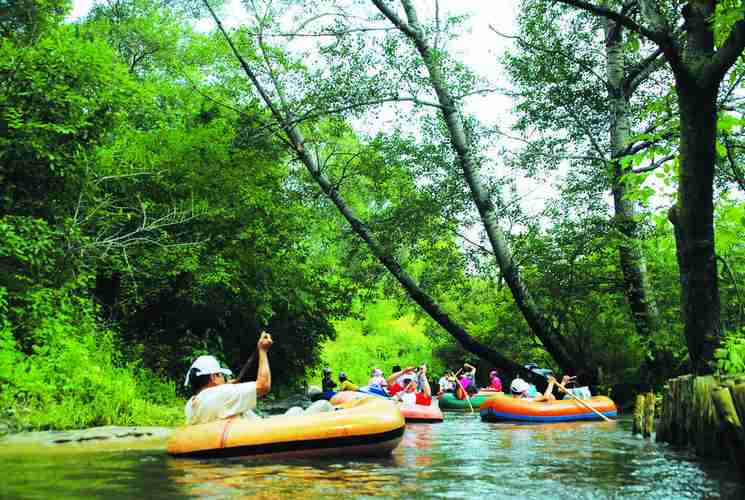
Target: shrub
pixel 729 359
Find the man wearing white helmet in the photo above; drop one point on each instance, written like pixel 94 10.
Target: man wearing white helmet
pixel 215 397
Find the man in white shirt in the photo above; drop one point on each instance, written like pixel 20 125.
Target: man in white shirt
pixel 446 384
pixel 217 398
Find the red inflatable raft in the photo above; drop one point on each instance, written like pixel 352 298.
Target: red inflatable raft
pixel 412 414
pixel 501 409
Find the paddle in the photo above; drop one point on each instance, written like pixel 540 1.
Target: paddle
pixel 245 368
pixel 580 401
pixel 464 391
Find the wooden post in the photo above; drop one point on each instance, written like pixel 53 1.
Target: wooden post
pixel 738 397
pixel 638 415
pixel 649 403
pixel 732 430
pixel 703 420
pixel 663 421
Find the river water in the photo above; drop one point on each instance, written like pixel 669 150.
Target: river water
pixel 460 458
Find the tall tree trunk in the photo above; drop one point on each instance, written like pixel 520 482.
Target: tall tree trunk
pixel 540 325
pixel 693 220
pixel 633 264
pixel 697 86
pixel 425 301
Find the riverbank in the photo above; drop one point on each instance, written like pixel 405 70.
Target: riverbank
pixel 116 437
pixel 96 439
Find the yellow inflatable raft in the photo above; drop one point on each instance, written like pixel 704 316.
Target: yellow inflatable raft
pixel 365 427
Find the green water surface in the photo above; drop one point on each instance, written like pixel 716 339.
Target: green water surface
pixel 460 458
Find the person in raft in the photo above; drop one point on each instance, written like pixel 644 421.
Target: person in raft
pixel 346 384
pixel 520 389
pixel 446 384
pixel 217 398
pixel 469 375
pixel 327 383
pixel 394 370
pixel 406 391
pixel 377 379
pixel 495 383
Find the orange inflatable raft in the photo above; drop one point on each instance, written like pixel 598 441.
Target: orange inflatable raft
pixel 412 414
pixel 364 427
pixel 506 408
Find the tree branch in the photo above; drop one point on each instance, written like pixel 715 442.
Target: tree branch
pixel 730 50
pixel 545 50
pixel 661 35
pixel 395 19
pixel 739 178
pixel 641 71
pixel 660 38
pixel 654 165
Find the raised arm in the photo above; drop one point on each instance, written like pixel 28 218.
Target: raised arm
pixel 264 374
pixel 392 379
pixel 548 393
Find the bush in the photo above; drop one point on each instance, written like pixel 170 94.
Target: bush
pixel 380 340
pixel 729 359
pixel 72 377
pixel 59 368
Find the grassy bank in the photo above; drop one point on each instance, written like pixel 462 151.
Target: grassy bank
pixel 67 372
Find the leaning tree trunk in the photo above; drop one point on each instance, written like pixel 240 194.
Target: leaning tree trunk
pixel 633 265
pixel 693 220
pixel 297 143
pixel 549 336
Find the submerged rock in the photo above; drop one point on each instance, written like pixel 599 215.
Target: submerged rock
pixel 98 437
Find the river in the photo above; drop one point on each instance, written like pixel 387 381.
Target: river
pixel 460 458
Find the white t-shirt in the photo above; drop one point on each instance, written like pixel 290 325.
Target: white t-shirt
pixel 445 384
pixel 222 401
pixel 407 398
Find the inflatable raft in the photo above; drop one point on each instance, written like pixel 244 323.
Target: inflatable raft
pixel 510 409
pixel 449 402
pixel 365 427
pixel 421 414
pixel 412 414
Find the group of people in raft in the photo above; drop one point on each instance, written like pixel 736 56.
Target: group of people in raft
pixel 411 386
pixel 217 397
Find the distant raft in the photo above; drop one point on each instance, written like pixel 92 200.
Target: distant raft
pixel 449 402
pixel 508 409
pixel 421 414
pixel 412 414
pixel 370 426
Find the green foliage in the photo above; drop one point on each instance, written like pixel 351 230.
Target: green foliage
pixel 383 337
pixel 58 97
pixel 59 368
pixel 27 19
pixel 728 12
pixel 729 359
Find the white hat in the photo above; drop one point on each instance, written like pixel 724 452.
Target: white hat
pixel 206 365
pixel 518 386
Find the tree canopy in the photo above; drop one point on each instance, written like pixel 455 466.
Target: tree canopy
pixel 172 187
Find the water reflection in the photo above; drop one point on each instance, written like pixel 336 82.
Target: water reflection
pixel 461 458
